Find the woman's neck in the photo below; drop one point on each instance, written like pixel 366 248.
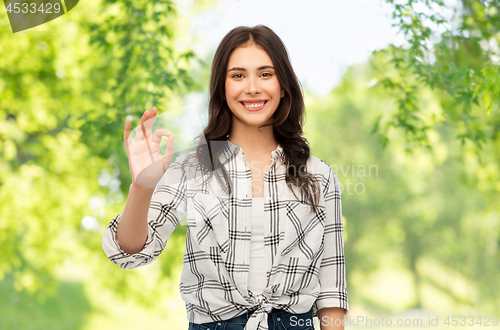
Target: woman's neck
pixel 255 148
pixel 253 142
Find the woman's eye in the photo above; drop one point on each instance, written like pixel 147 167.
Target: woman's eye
pixel 240 75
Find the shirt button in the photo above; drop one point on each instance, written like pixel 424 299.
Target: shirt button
pixel 218 323
pixel 277 319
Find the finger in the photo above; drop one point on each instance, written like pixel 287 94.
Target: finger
pixel 128 142
pixel 147 142
pixel 169 150
pixel 150 121
pixel 130 167
pixel 126 133
pixel 146 136
pixel 156 140
pixel 158 134
pixel 139 134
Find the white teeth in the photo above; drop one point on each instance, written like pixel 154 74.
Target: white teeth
pixel 253 105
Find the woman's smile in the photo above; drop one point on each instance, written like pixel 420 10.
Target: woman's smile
pixel 254 105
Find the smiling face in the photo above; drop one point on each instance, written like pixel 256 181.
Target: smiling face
pixel 253 91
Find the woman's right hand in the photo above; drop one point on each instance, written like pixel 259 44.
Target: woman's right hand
pixel 146 164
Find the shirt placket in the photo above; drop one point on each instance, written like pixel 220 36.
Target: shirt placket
pixel 244 258
pixel 267 200
pixel 244 217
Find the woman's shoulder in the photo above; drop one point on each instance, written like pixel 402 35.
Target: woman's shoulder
pixel 316 165
pixel 324 172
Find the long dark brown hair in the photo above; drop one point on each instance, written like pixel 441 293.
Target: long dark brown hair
pixel 287 121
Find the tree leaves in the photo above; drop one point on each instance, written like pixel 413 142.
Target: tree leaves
pixel 456 64
pixel 63 102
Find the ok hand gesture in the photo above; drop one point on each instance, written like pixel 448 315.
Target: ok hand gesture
pixel 146 164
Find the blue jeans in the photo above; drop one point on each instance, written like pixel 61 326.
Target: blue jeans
pixel 278 319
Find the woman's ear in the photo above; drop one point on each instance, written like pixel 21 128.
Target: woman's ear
pixel 282 92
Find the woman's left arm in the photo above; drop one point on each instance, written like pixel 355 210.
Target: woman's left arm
pixel 332 275
pixel 331 318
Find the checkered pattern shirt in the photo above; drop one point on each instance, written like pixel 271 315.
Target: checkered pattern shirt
pixel 304 249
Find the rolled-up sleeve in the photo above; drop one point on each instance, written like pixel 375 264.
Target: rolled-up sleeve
pixel 167 208
pixel 332 269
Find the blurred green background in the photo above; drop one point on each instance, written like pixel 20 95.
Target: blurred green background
pixel 412 134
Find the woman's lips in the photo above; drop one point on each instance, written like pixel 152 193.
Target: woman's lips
pixel 254 109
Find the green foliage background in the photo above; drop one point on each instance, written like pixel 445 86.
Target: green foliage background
pixel 413 135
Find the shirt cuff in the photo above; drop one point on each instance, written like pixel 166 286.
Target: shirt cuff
pixel 126 260
pixel 328 299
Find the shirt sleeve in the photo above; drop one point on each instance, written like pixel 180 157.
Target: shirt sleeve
pixel 332 269
pixel 167 207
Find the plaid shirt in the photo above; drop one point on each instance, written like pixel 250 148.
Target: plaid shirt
pixel 304 250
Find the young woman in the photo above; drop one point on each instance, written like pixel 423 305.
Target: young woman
pixel 264 245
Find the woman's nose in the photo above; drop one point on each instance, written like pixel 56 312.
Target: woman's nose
pixel 253 85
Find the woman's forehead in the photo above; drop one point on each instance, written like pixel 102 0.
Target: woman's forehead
pixel 249 58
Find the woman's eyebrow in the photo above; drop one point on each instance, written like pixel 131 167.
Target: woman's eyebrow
pixel 243 69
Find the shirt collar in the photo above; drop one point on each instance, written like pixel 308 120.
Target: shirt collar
pixel 232 150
